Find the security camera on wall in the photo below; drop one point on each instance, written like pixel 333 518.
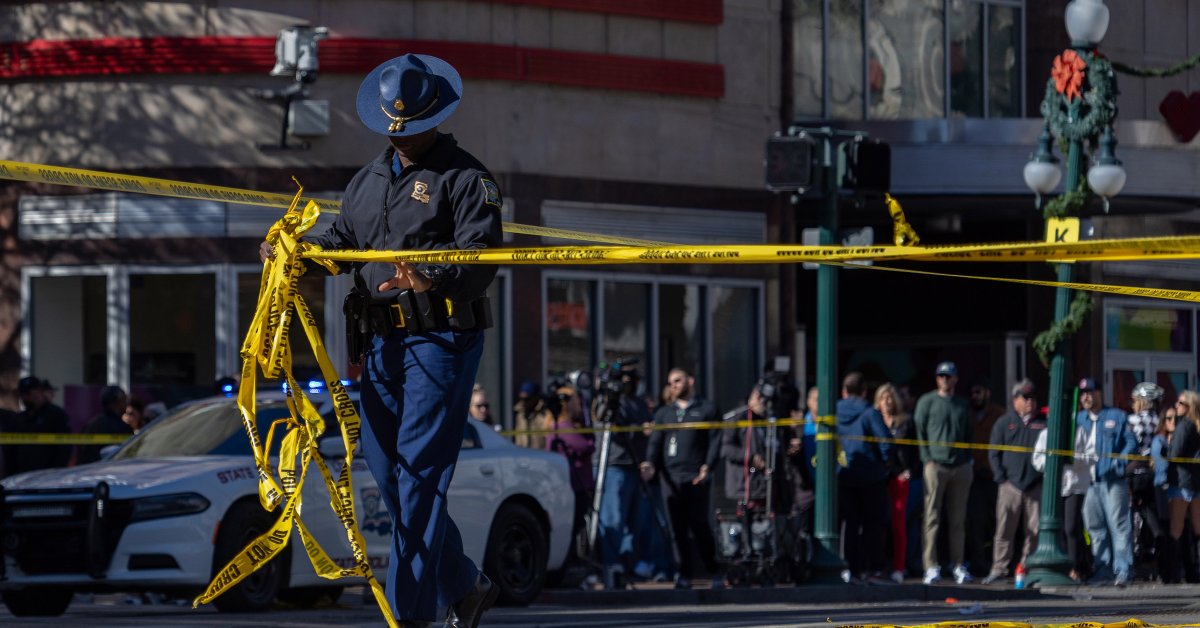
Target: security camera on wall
pixel 296 56
pixel 296 52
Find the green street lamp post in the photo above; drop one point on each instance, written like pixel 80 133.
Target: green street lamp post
pixel 1079 107
pixel 827 564
pixel 824 162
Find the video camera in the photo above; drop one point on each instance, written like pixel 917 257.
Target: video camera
pixel 612 380
pixel 779 395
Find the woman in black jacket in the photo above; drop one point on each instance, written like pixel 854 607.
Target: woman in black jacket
pixel 1182 498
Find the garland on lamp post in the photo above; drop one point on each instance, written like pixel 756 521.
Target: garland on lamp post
pixel 1079 104
pixel 1073 70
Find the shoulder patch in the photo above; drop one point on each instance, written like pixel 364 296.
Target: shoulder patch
pixel 491 192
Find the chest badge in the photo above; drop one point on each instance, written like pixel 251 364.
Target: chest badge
pixel 421 191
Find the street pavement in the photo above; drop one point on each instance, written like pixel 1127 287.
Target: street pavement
pixel 659 605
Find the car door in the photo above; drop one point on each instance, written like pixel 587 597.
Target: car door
pixel 474 493
pixel 324 525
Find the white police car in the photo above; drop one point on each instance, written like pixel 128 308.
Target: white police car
pixel 175 502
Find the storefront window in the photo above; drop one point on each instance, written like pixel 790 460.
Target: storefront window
pixel 680 330
pixel 664 324
pixel 808 57
pixel 735 318
pixel 1131 328
pixel 312 288
pixel 626 310
pixel 905 66
pixel 905 62
pixel 1004 62
pixel 69 340
pixel 569 320
pixel 172 332
pixel 845 59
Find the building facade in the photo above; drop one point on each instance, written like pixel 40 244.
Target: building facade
pixel 643 119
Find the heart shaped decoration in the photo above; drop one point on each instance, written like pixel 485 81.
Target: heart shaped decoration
pixel 1182 114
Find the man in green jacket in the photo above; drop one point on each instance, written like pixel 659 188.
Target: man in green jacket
pixel 942 418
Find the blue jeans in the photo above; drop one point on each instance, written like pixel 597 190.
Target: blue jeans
pixel 1106 515
pixel 654 550
pixel 415 392
pixel 616 513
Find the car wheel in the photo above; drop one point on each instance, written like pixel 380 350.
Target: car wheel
pixel 516 555
pixel 245 522
pixel 38 602
pixel 309 597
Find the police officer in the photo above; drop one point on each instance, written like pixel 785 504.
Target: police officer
pixel 423 326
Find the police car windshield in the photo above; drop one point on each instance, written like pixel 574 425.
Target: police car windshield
pixel 203 428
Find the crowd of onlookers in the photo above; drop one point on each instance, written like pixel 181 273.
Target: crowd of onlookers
pixel 947 485
pixel 941 486
pixel 120 414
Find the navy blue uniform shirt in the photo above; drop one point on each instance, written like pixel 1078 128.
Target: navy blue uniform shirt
pixel 445 201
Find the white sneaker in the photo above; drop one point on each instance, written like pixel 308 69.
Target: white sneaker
pixel 898 577
pixel 961 575
pixel 933 575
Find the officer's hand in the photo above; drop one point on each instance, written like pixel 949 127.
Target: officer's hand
pixel 702 476
pixel 647 429
pixel 793 447
pixel 265 252
pixel 407 276
pixel 757 462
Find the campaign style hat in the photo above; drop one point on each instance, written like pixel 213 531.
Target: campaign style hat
pixel 947 368
pixel 1088 384
pixel 409 95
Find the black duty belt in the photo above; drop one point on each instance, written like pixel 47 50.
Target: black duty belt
pixel 417 312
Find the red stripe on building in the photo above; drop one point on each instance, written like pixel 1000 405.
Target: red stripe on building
pixel 256 55
pixel 702 11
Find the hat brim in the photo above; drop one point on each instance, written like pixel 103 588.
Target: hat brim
pixel 449 95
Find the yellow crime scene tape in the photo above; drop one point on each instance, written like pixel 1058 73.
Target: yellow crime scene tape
pixel 1117 249
pixel 118 182
pixel 266 344
pixel 266 348
pixel 48 438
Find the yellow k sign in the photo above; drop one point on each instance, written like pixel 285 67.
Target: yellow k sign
pixel 1059 230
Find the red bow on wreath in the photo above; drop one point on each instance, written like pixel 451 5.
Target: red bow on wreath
pixel 1067 73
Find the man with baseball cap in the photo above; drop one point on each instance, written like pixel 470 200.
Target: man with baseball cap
pixel 422 325
pixel 40 415
pixel 941 417
pixel 1101 433
pixel 1018 501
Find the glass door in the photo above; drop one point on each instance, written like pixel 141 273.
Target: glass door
pixel 1173 374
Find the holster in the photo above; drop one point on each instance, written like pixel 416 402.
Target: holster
pixel 414 312
pixel 358 327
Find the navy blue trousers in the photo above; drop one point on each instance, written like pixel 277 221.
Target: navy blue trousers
pixel 415 393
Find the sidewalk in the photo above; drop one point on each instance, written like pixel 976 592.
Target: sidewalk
pixel 806 594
